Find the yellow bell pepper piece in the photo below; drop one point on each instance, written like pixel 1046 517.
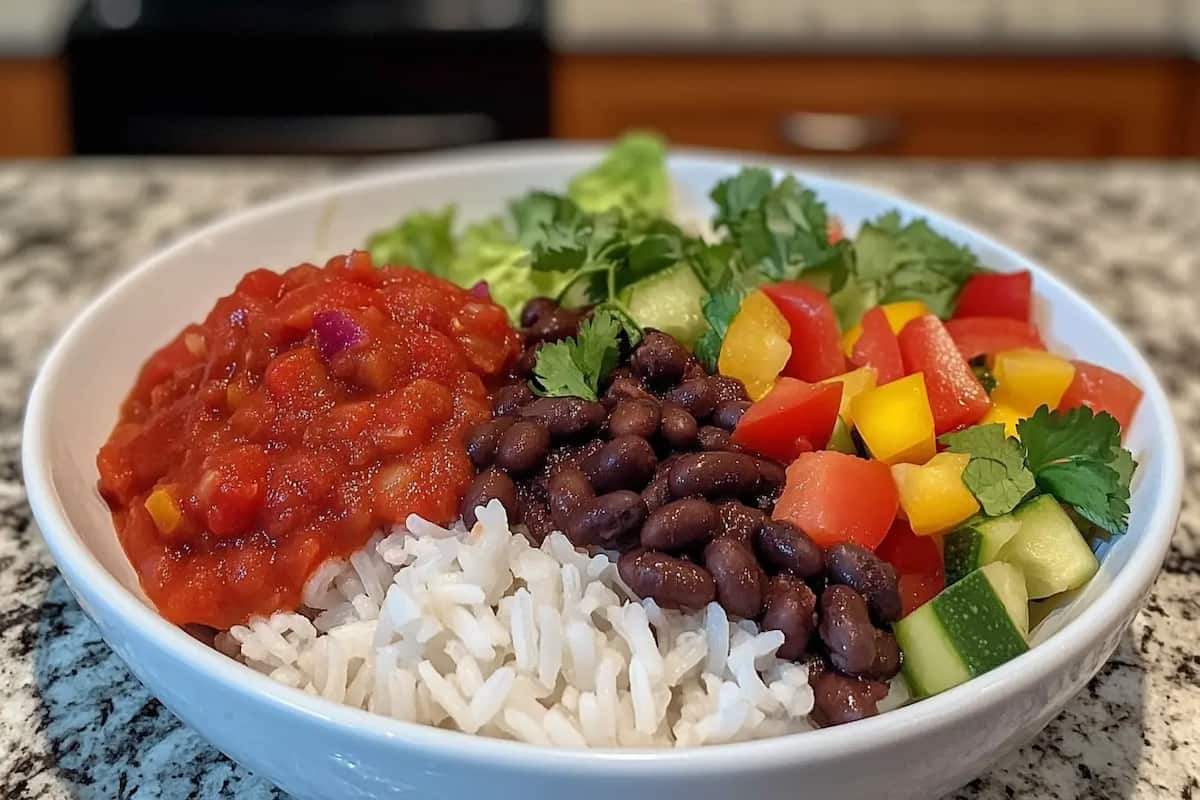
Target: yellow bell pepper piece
pixel 756 347
pixel 1026 379
pixel 163 510
pixel 895 421
pixel 854 383
pixel 933 496
pixel 898 315
pixel 1006 415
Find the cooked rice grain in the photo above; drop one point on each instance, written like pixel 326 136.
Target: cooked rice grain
pixel 481 632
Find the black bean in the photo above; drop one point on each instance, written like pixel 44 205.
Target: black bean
pixel 634 418
pixel 523 447
pixel 783 546
pixel 727 388
pixel 566 416
pixel 887 657
pixel 868 575
pixel 711 437
pixel 569 490
pixel 681 524
pixel 491 484
pixel 523 367
pixel 626 462
pixel 846 629
pixel 740 580
pixel 535 516
pixel 678 427
pixel 535 308
pixel 671 582
pixel 694 396
pixel 610 520
pixel 714 475
pixel 790 608
pixel 771 477
pixel 509 399
pixel 659 359
pixel 624 385
pixel 658 492
pixel 482 439
pixel 838 699
pixel 553 326
pixel 740 522
pixel 728 413
pixel 694 369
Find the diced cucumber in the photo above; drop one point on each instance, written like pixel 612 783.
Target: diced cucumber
pixel 973 626
pixel 975 544
pixel 841 440
pixel 669 301
pixel 1049 549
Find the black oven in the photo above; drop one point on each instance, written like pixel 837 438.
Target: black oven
pixel 305 76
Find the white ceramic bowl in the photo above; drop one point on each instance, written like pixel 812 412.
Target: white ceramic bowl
pixel 313 748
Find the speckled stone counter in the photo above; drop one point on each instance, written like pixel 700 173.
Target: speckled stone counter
pixel 75 723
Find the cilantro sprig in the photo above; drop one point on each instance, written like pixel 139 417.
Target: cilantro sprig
pixel 1074 455
pixel 996 473
pixel 574 367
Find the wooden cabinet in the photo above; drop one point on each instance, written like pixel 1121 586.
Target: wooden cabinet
pixel 905 106
pixel 33 96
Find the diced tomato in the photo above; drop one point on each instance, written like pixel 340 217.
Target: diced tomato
pixel 794 417
pixel 979 336
pixel 918 563
pixel 993 295
pixel 816 346
pixel 1102 390
pixel 918 589
pixel 834 498
pixel 955 394
pixel 878 347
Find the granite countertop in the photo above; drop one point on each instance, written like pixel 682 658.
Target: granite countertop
pixel 75 723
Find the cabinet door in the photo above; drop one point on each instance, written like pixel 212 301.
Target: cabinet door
pixel 952 106
pixel 33 95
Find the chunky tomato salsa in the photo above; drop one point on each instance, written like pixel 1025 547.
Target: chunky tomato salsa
pixel 307 410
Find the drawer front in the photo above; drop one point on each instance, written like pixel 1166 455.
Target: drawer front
pixel 896 106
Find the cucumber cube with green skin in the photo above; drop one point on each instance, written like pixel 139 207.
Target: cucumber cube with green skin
pixel 669 301
pixel 973 626
pixel 975 544
pixel 1049 549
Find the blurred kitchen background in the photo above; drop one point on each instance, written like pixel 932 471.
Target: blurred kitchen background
pixel 952 78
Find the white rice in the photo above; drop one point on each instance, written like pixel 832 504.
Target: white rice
pixel 481 632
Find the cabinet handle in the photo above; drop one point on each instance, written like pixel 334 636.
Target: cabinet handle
pixel 838 133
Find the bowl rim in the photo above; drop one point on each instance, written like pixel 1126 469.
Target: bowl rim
pixel 109 598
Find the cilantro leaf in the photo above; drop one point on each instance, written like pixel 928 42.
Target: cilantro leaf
pixel 719 310
pixel 1077 456
pixel 895 261
pixel 996 473
pixel 779 230
pixel 575 366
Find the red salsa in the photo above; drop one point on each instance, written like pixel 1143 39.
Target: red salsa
pixel 306 411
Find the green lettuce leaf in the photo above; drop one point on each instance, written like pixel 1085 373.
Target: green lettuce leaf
pixel 631 178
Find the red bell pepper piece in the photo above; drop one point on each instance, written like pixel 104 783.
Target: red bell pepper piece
pixel 816 345
pixel 918 563
pixel 1102 390
pixel 996 295
pixel 793 418
pixel 955 394
pixel 978 336
pixel 834 498
pixel 878 347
